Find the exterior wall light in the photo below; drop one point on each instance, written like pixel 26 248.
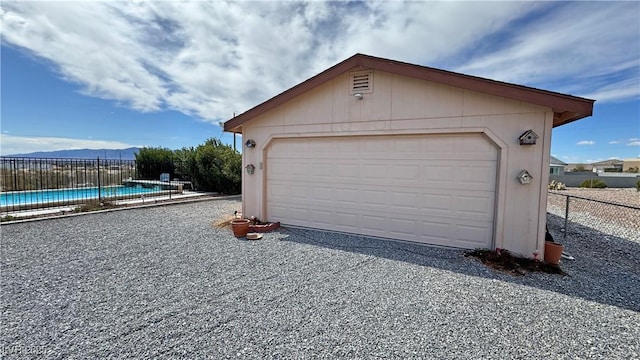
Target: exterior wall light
pixel 358 96
pixel 250 144
pixel 250 169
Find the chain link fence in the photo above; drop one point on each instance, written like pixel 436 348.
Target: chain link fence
pixel 612 218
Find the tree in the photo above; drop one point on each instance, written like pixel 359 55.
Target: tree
pixel 185 163
pixel 218 168
pixel 579 168
pixel 211 166
pixel 152 162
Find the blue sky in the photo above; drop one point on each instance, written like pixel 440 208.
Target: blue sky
pixel 136 73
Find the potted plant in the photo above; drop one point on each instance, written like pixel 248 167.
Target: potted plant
pixel 552 252
pixel 240 227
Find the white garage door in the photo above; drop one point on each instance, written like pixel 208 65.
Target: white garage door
pixel 436 189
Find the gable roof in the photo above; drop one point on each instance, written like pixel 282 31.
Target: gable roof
pixel 567 108
pixel 555 161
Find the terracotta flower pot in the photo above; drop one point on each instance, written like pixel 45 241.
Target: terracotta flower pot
pixel 240 227
pixel 552 252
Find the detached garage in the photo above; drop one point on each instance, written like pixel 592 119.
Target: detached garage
pixel 388 149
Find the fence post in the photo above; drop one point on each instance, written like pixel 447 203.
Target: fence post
pixel 566 218
pixel 99 192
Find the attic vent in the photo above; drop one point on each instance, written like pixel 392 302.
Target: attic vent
pixel 362 82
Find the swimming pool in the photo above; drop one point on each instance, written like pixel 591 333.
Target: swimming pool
pixel 36 197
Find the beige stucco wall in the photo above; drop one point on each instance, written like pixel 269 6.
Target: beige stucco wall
pixel 400 104
pixel 630 163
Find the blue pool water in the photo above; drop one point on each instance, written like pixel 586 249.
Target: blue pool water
pixel 63 195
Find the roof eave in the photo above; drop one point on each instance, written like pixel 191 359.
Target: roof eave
pixel 566 108
pixel 234 124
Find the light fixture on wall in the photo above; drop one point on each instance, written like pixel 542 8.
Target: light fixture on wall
pixel 358 95
pixel 250 144
pixel 250 169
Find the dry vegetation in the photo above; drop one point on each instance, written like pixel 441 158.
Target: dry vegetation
pixel 503 260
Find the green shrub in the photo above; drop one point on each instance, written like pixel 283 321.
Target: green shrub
pixel 638 185
pixel 593 183
pixel 212 166
pixel 12 218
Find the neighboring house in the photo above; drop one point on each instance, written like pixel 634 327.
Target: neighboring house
pixel 613 165
pixel 629 165
pixel 578 167
pixel 389 149
pixel 556 166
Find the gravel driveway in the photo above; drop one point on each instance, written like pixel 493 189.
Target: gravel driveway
pixel 162 282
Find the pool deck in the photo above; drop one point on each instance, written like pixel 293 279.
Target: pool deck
pixel 63 210
pixel 165 185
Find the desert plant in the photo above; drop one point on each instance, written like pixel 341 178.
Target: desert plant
pixel 593 184
pixel 93 205
pixel 556 185
pixel 638 185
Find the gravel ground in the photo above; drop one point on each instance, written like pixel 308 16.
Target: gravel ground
pixel 163 282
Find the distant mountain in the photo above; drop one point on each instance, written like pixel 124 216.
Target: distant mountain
pixel 124 154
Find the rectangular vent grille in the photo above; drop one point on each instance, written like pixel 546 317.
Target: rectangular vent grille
pixel 362 82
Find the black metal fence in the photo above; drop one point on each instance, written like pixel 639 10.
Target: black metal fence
pixel 38 183
pixel 611 218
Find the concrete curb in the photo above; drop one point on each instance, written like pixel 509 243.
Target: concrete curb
pixel 128 207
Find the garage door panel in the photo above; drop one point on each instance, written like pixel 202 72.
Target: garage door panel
pixel 476 175
pixel 473 206
pixel 374 223
pixel 373 197
pixel 404 227
pixel 407 200
pixel 387 186
pixel 322 217
pixel 436 230
pixel 436 202
pixel 373 171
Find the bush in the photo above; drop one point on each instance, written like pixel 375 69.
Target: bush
pixel 593 183
pixel 152 162
pixel 556 185
pixel 638 185
pixel 212 166
pixel 217 168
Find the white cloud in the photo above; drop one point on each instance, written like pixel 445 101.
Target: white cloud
pixel 612 142
pixel 634 139
pixel 23 144
pixel 585 142
pixel 210 60
pixel 581 57
pixel 633 143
